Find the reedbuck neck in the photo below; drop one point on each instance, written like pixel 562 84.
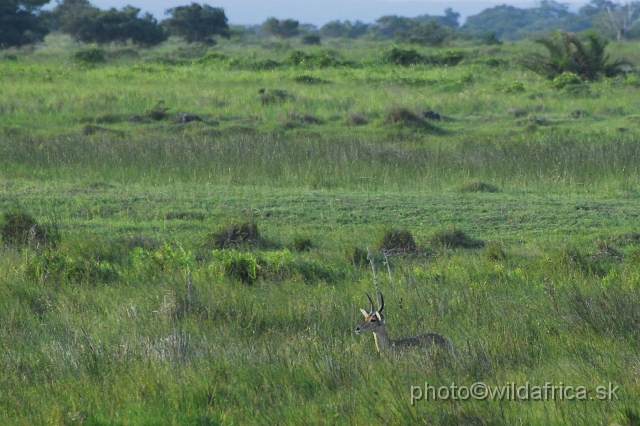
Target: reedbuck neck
pixel 375 323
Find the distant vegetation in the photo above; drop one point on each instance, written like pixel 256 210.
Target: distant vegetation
pixel 25 23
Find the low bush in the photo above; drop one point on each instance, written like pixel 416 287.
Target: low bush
pixel 397 240
pixel 454 238
pixel 20 229
pixel 233 235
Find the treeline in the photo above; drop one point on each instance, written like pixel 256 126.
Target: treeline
pixel 23 22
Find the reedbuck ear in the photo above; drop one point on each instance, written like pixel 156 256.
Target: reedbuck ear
pixel 379 316
pixel 365 313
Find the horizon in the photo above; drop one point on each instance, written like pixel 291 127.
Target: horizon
pixel 250 12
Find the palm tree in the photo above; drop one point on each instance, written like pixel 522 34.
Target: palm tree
pixel 569 54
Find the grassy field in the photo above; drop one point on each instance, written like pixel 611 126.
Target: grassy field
pixel 211 272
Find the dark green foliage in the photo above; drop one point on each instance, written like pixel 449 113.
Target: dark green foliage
pixel 158 112
pixel 429 34
pixel 197 24
pixel 568 54
pixel 94 55
pixel 347 29
pixel 357 256
pixel 310 39
pixel 450 19
pixel 239 266
pixel 281 29
pixel 494 252
pixel 52 265
pixel 301 243
pixel 18 228
pixel 268 97
pixel 311 60
pixel 566 79
pixel 478 187
pixel 390 26
pixel 399 240
pixel 356 119
pixel 454 238
pixel 89 24
pixel 398 56
pixel 490 38
pixel 308 79
pixel 513 23
pixel 21 23
pixel 233 235
pixel 403 117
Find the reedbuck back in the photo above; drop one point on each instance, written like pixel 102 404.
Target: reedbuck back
pixel 375 323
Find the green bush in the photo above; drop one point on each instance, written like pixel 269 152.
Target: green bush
pixel 454 238
pixel 52 265
pixel 396 55
pixel 494 252
pixel 301 243
pixel 397 240
pixel 234 234
pixel 240 266
pixel 310 39
pixel 94 55
pixel 18 228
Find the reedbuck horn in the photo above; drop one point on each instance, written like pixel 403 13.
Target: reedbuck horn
pixel 373 307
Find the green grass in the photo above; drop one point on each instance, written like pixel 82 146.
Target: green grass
pixel 139 315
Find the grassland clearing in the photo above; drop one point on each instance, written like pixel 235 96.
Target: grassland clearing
pixel 139 314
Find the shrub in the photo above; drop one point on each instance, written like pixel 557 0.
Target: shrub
pixel 566 79
pixel 357 256
pixel 568 54
pixel 490 39
pixel 240 266
pixel 54 265
pixel 478 187
pixel 311 60
pixel 454 238
pixel 356 119
pixel 158 112
pixel 234 234
pixel 396 55
pixel 18 228
pixel 308 79
pixel 268 97
pixel 310 39
pixel 404 117
pixel 95 55
pixel 494 252
pixel 301 243
pixel 399 240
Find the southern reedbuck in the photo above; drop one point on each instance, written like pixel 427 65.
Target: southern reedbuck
pixel 375 323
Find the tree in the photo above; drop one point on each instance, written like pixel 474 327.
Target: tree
pixel 89 24
pixel 198 23
pixel 569 54
pixel 430 34
pixel 617 19
pixel 337 29
pixel 21 23
pixel 450 19
pixel 281 29
pixel 391 26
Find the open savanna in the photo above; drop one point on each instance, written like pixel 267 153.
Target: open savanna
pixel 212 272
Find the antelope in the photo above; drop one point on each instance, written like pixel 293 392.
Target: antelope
pixel 375 323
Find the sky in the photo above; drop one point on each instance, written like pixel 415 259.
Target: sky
pixel 319 12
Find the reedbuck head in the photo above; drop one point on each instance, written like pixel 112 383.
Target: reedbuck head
pixel 373 320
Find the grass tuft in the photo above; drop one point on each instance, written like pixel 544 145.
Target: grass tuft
pixel 454 238
pixel 397 240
